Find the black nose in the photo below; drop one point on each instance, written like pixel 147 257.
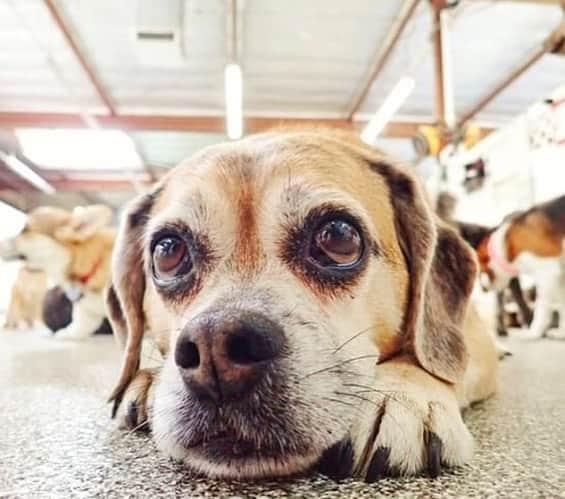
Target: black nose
pixel 223 355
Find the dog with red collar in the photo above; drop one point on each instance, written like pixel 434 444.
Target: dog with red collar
pixel 530 243
pixel 74 249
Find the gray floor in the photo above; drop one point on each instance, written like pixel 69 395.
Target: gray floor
pixel 56 438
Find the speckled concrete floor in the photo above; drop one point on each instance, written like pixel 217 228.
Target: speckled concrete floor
pixel 56 438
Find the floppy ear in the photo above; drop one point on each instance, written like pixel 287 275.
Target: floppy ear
pixel 124 298
pixel 441 270
pixel 84 222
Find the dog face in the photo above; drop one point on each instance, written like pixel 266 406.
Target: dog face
pixel 36 243
pixel 285 266
pixel 43 242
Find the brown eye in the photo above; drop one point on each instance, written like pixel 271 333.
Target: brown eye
pixel 170 258
pixel 336 243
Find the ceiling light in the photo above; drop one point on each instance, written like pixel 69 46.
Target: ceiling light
pixel 393 102
pixel 79 149
pixel 25 172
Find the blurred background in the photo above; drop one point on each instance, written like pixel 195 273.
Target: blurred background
pixel 99 98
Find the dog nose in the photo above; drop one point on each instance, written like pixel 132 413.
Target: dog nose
pixel 221 358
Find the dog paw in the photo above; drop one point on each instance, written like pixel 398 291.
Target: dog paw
pixel 133 412
pixel 501 350
pixel 412 433
pixel 70 334
pixel 530 335
pixel 556 334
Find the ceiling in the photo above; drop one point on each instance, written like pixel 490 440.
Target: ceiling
pixel 300 59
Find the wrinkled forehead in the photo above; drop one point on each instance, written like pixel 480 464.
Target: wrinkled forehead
pixel 277 174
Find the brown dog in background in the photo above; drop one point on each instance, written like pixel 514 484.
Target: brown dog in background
pixel 311 311
pixel 74 248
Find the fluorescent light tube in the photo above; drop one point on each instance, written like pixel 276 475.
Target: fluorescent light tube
pixel 388 109
pixel 69 149
pixel 25 172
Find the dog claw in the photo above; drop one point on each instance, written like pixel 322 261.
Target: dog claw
pixel 131 415
pixel 337 462
pixel 379 466
pixel 434 447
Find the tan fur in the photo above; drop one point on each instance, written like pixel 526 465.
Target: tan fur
pixel 89 251
pixel 26 299
pixel 410 301
pixel 534 234
pixel 74 249
pixel 92 258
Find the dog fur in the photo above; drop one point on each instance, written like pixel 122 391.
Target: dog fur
pixel 26 298
pixel 531 243
pixel 377 366
pixel 74 249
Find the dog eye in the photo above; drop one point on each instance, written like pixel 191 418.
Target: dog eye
pixel 336 243
pixel 170 258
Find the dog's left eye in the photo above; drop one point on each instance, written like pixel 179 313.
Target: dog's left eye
pixel 170 257
pixel 336 243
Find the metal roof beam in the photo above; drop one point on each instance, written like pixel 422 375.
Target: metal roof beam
pixel 381 57
pixel 203 124
pixel 65 30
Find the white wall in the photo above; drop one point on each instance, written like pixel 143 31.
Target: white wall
pixel 518 176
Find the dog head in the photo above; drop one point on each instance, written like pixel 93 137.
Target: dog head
pixel 47 233
pixel 285 266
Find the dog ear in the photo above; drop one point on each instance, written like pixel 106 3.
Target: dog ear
pixel 84 222
pixel 47 219
pixel 441 269
pixel 124 298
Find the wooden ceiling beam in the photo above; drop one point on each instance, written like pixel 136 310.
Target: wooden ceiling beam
pixel 96 182
pixel 73 45
pixel 533 57
pixel 381 57
pixel 202 124
pixel 554 43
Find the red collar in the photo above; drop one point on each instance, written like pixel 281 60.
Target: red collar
pixel 83 279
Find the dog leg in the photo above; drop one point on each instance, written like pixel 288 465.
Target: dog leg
pixel 542 310
pixel 526 314
pixel 133 412
pixel 12 316
pixel 411 423
pixel 559 333
pixel 88 314
pixel 500 325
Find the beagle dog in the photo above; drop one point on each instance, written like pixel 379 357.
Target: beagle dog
pixel 311 312
pixel 531 243
pixel 74 250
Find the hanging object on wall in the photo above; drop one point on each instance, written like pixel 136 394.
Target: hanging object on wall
pixel 427 142
pixel 475 175
pixel 431 140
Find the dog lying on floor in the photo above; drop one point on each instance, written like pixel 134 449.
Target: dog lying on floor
pixel 310 309
pixel 74 249
pixel 26 298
